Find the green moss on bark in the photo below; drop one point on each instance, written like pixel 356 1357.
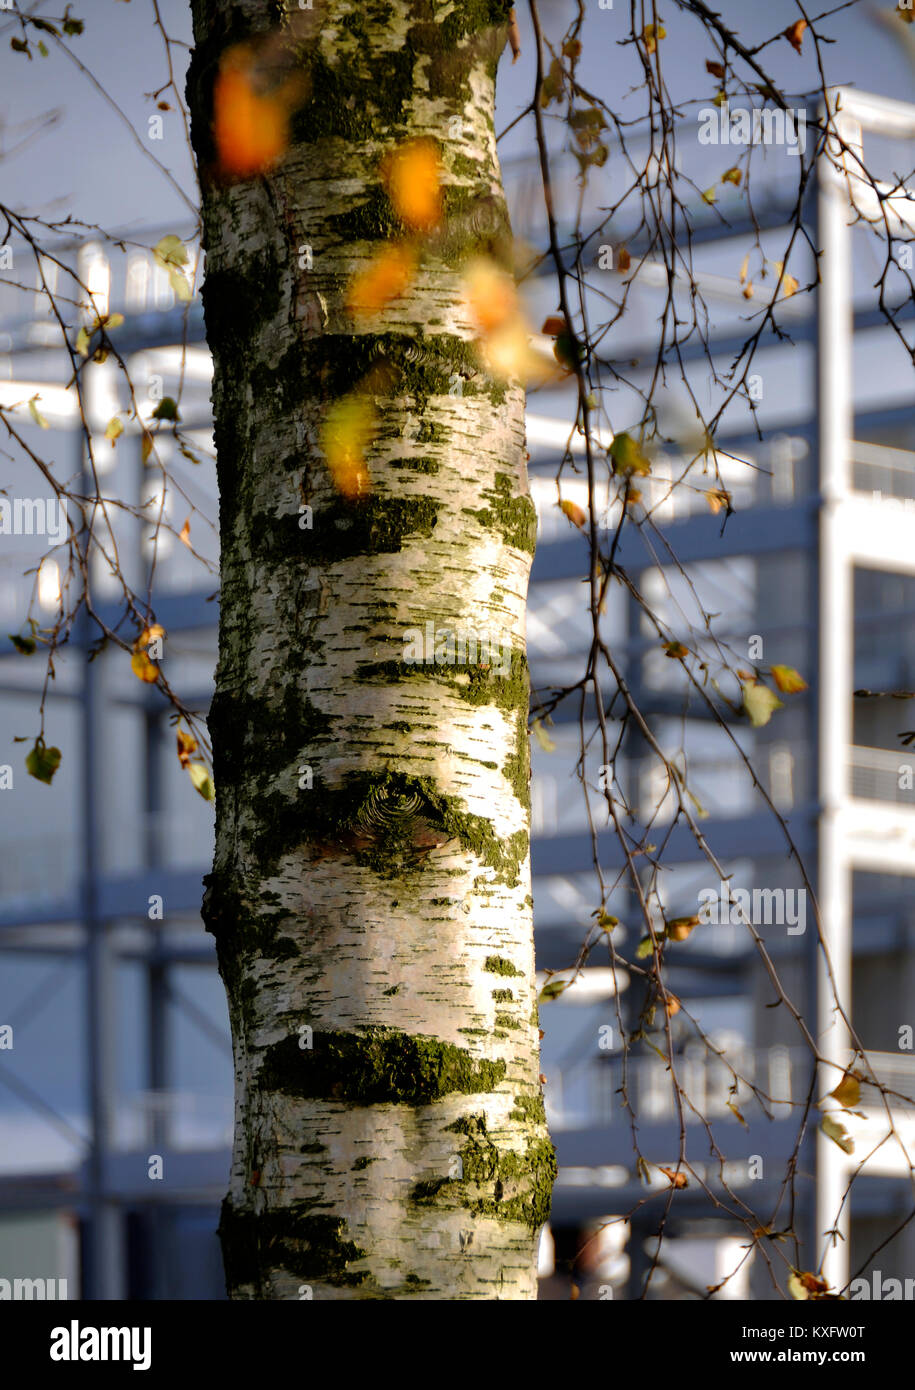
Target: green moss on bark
pixel 505 1183
pixel 378 1066
pixel 513 516
pixel 498 965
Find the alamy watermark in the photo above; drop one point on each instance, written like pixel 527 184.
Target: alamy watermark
pixel 881 1289
pixel 34 516
pixel 719 125
pixel 449 647
pixel 781 907
pixel 41 1290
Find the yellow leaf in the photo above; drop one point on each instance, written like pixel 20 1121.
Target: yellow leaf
pixel 542 737
pixel 802 1284
pixel 146 445
pixel 576 514
pixel 387 276
pixel 36 413
pixel 760 703
pixel 744 268
pixel 736 1113
pixel 788 680
pixel 114 429
pixel 170 250
pixel 181 286
pixel 710 194
pixel 412 177
pixel 82 342
pixel 143 668
pixel 149 634
pixel 651 34
pixel 838 1134
pixel 732 175
pixel 748 291
pixel 552 990
pixel 645 948
pixel 201 780
pixel 348 430
pixel 848 1091
pixel 626 455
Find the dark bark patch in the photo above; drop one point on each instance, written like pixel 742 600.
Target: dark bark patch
pixel 380 1066
pixel 312 1247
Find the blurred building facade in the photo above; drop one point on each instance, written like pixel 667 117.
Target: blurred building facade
pixel 115 1093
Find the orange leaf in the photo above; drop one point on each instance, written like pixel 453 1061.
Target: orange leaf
pixel 795 34
pixel 676 1179
pixel 490 295
pixel 716 497
pixel 187 744
pixel 514 36
pixel 788 680
pixel 679 928
pixel 185 533
pixel 250 128
pixel 385 278
pixel 412 177
pixel 553 327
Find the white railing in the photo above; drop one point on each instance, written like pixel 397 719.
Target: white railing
pixel 591 1093
pixel 882 774
pixel 895 1071
pixel 882 472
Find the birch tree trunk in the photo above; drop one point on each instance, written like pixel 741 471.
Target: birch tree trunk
pixel 370 896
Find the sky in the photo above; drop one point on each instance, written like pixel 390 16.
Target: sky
pixel 65 149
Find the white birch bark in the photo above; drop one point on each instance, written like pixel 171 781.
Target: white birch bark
pixel 374 928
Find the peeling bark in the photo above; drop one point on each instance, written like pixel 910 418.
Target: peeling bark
pixel 370 895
